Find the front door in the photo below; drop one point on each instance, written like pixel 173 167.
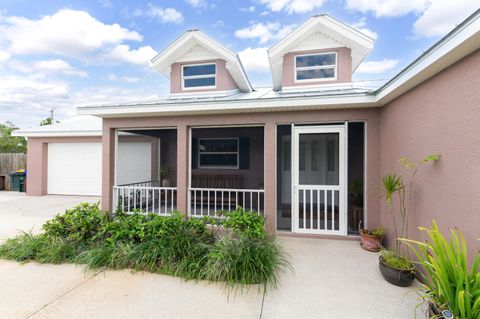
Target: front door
pixel 318 176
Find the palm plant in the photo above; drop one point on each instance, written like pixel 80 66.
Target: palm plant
pixel 394 184
pixel 448 280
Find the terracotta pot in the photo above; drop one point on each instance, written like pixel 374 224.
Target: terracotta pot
pixel 370 242
pixel 395 276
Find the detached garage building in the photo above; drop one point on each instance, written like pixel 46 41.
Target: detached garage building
pixel 66 158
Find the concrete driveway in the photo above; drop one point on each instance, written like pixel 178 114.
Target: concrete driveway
pixel 332 279
pixel 19 212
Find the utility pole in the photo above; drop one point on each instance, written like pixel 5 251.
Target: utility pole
pixel 51 114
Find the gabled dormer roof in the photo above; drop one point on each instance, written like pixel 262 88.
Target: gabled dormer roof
pixel 203 47
pixel 319 32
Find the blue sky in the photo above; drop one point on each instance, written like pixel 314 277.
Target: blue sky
pixel 63 54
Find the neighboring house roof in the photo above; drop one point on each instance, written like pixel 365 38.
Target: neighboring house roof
pixel 319 32
pixel 83 125
pixel 205 48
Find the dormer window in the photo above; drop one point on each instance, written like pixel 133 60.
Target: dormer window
pixel 316 67
pixel 199 76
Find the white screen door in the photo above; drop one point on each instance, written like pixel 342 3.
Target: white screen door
pixel 318 174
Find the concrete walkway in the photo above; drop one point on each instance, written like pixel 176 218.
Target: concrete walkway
pixel 332 279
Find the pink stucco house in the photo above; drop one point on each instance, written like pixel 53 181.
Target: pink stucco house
pixel 307 153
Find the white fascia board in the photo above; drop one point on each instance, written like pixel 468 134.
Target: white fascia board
pixel 235 106
pixel 56 133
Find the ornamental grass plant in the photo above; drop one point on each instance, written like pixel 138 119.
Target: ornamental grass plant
pixel 188 248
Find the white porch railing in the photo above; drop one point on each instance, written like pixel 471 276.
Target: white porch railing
pixel 208 201
pixel 143 197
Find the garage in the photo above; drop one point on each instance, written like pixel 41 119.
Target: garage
pixel 74 169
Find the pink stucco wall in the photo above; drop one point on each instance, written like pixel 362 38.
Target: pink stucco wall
pixel 269 122
pixel 224 79
pixel 344 67
pixel 442 115
pixel 37 160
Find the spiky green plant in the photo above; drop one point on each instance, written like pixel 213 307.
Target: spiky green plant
pixel 392 185
pixel 448 280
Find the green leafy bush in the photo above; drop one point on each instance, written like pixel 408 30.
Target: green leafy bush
pixel 166 244
pixel 79 224
pixel 449 282
pixel 245 223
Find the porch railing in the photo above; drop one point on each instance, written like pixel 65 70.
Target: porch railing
pixel 208 201
pixel 145 197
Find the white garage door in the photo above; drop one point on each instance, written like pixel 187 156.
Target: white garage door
pixel 134 162
pixel 75 168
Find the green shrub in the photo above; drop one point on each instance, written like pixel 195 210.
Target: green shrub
pixel 79 224
pixel 245 223
pixel 449 282
pixel 396 261
pixel 23 247
pixel 165 244
pixel 56 250
pixel 245 261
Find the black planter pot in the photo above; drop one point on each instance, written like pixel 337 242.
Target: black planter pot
pixel 397 277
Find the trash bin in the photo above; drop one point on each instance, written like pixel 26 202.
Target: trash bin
pixel 17 181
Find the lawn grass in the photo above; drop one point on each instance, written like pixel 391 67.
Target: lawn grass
pixel 234 250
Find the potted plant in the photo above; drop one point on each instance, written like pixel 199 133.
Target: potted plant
pixel 371 239
pixel 395 268
pixel 164 176
pixel 450 284
pixel 355 192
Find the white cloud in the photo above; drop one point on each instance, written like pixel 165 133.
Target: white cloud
pixel 25 100
pixel 388 8
pixel 197 3
pixel 248 9
pixel 67 32
pixel 166 15
pixel 4 56
pixel 58 66
pixel 105 3
pixel 293 6
pixel 218 24
pixel 442 16
pixel 436 17
pixel 377 67
pixel 141 56
pixel 361 25
pixel 264 32
pixel 129 79
pixel 255 59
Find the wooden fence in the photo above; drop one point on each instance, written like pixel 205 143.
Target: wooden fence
pixel 10 162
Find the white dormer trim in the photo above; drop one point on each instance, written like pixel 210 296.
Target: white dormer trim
pixel 335 33
pixel 189 40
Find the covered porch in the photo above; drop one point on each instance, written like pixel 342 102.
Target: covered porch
pixel 225 170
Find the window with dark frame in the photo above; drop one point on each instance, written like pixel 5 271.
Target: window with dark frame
pixel 218 153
